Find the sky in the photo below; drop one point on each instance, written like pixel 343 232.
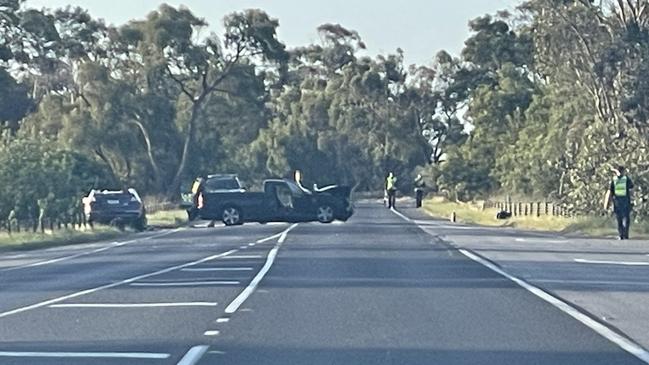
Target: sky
pixel 420 27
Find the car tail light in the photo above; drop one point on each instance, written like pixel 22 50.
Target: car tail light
pixel 200 201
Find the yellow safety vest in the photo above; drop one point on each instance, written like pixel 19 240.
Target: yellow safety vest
pixel 390 182
pixel 620 186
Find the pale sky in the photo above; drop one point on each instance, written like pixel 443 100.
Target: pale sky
pixel 420 27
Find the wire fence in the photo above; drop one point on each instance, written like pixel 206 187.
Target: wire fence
pixel 531 209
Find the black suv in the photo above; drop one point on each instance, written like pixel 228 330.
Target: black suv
pixel 116 208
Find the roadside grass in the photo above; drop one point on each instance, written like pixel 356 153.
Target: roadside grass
pixel 32 241
pixel 167 218
pixel 472 213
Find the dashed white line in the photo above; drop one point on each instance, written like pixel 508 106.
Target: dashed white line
pixel 605 262
pixel 207 269
pixel 114 355
pixel 134 305
pixel 193 355
pixel 188 283
pixel 222 320
pixel 270 259
pixel 211 333
pixel 238 257
pixel 590 282
pixel 112 285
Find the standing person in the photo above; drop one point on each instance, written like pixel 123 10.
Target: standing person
pixel 391 188
pixel 620 193
pixel 420 185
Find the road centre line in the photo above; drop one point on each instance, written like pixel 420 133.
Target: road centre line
pixel 600 328
pixel 207 269
pixel 222 320
pixel 105 355
pixel 605 262
pixel 270 259
pixel 118 283
pixel 112 285
pixel 134 305
pixel 400 215
pixel 211 333
pixel 81 254
pixel 193 355
pixel 234 257
pixel 188 283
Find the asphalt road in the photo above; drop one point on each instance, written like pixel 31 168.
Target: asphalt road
pixel 382 288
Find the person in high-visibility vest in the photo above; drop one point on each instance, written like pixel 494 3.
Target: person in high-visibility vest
pixel 420 185
pixel 619 193
pixel 391 188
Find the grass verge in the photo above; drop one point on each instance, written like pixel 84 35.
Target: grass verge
pixel 32 241
pixel 167 218
pixel 472 213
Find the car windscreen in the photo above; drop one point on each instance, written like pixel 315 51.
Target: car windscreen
pixel 221 184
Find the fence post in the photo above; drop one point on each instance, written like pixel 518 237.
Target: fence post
pixel 525 210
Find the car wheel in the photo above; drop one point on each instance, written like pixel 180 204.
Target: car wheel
pixel 232 216
pixel 325 214
pixel 140 224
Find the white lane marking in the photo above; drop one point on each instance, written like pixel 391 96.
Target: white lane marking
pixel 626 344
pixel 605 262
pixel 203 269
pixel 222 320
pixel 251 244
pixel 604 331
pixel 269 238
pixel 520 240
pixel 134 305
pixel 400 215
pixel 216 352
pixel 81 254
pixel 590 282
pixel 234 257
pixel 238 301
pixel 190 283
pixel 211 333
pixel 118 355
pixel 112 285
pixel 243 247
pixel 193 355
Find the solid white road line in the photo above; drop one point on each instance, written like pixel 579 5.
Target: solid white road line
pixel 400 215
pixel 114 355
pixel 269 238
pixel 193 355
pixel 626 344
pixel 203 269
pixel 238 301
pixel 134 305
pixel 112 285
pixel 81 254
pixel 604 262
pixel 190 283
pixel 600 328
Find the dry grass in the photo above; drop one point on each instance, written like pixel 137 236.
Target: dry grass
pixel 473 213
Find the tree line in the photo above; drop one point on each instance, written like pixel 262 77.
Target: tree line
pixel 541 102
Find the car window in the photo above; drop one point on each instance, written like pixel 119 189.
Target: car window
pixel 221 184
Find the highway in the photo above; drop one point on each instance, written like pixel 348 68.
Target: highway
pixel 386 287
